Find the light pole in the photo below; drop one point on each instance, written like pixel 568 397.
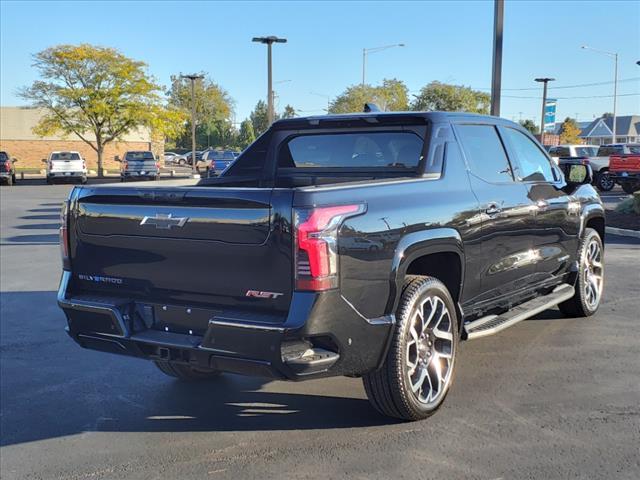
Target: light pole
pixel 615 83
pixel 496 74
pixel 193 78
pixel 268 41
pixel 544 80
pixel 366 51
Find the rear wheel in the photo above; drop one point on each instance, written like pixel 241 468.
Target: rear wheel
pixel 418 371
pixel 604 182
pixel 630 187
pixel 590 281
pixel 185 372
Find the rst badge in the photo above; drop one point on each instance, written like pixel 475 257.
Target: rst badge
pixel 164 222
pixel 261 294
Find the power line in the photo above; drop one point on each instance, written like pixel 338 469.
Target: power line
pixel 595 84
pixel 569 98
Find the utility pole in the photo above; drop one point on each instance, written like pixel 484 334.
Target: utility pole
pixel 613 55
pixel 366 51
pixel 544 80
pixel 193 78
pixel 268 41
pixel 496 74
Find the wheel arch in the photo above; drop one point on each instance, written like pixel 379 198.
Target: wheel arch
pixel 436 252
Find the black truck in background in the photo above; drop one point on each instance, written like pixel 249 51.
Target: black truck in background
pixel 363 245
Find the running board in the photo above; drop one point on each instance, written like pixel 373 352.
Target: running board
pixel 495 323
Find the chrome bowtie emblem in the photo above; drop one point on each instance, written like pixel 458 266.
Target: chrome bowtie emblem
pixel 164 222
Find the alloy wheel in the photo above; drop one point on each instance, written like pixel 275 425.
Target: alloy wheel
pixel 593 274
pixel 429 350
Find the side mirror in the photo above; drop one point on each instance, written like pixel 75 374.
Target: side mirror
pixel 577 173
pixel 117 158
pixel 14 160
pixel 44 160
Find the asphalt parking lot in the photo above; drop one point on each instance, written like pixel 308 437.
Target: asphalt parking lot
pixel 548 398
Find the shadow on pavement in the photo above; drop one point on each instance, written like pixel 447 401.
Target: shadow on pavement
pixel 39 226
pixel 51 387
pixel 44 239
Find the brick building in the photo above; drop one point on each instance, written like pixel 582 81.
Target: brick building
pixel 17 138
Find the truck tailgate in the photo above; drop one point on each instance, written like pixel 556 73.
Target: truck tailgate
pixel 624 163
pixel 183 245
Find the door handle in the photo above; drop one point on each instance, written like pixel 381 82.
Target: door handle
pixel 493 209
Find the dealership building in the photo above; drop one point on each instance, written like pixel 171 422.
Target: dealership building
pixel 17 139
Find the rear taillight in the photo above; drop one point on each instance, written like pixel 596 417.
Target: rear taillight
pixel 158 165
pixel 316 249
pixel 64 236
pixel 84 165
pixel 7 166
pixel 125 165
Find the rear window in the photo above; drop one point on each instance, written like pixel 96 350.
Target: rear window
pixel 485 153
pixel 133 156
pixel 560 152
pixel 352 150
pixel 586 151
pixel 65 156
pixel 607 150
pixel 635 149
pixel 4 157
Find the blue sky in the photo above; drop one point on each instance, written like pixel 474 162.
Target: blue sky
pixel 446 41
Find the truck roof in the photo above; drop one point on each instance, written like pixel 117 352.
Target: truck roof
pixel 384 118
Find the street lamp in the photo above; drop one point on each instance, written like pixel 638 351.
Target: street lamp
pixel 193 78
pixel 366 51
pixel 543 80
pixel 268 41
pixel 615 82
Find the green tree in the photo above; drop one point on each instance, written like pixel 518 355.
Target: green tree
pixel 289 112
pixel 97 94
pixel 530 125
pixel 246 136
pixel 451 98
pixel 390 96
pixel 213 110
pixel 569 131
pixel 260 118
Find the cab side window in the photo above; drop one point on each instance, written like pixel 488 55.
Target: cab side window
pixel 534 166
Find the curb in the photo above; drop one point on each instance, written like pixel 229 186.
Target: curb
pixel 623 232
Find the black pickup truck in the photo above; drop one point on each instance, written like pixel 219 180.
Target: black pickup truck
pixel 365 245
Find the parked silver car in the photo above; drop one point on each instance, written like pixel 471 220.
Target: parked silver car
pixel 138 165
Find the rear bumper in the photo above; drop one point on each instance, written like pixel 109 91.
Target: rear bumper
pixel 66 174
pixel 349 343
pixel 622 176
pixel 151 174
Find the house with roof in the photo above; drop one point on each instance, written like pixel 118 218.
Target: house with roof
pixel 600 131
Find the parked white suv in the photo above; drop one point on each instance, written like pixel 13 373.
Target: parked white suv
pixel 66 166
pixel 558 151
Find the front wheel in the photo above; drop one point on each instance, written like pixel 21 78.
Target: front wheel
pixel 590 281
pixel 604 182
pixel 185 373
pixel 418 370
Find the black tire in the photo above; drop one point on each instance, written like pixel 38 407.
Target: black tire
pixel 185 373
pixel 49 181
pixel 182 162
pixel 10 181
pixel 580 305
pixel 630 187
pixel 604 182
pixel 389 389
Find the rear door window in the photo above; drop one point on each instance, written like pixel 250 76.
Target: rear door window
pixel 607 150
pixel 484 152
pixel 402 150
